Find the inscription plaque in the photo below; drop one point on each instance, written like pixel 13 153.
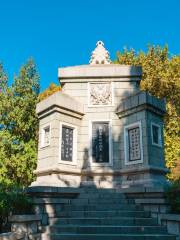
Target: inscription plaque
pixel 67 144
pixel 134 144
pixel 100 142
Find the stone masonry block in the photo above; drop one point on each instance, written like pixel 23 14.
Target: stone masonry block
pixel 127 103
pixel 142 97
pixel 173 227
pixel 44 220
pixel 32 227
pixel 39 209
pixel 49 208
pixel 134 101
pixel 150 99
pixel 19 227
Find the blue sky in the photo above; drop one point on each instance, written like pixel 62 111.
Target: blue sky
pixel 64 32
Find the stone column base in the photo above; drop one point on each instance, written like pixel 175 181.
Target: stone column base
pixel 144 176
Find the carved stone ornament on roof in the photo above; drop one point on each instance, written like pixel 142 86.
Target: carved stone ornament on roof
pixel 100 55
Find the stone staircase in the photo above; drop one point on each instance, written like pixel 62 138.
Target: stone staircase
pixel 101 214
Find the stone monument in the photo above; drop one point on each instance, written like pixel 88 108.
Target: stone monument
pixel 100 130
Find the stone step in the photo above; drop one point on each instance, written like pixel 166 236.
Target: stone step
pixel 108 213
pixel 54 200
pixel 107 237
pixel 41 200
pixel 98 207
pixel 98 190
pixel 98 229
pixel 56 208
pixel 82 201
pixel 102 195
pixel 126 221
pixel 101 201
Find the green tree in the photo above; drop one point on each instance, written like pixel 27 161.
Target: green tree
pixel 3 78
pixel 161 77
pixel 19 126
pixel 49 91
pixel 3 97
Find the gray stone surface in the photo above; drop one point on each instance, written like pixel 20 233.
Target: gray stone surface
pixel 142 98
pixel 25 227
pixel 101 71
pixel 102 214
pixel 60 100
pixel 171 217
pixel 12 236
pixel 24 218
pixel 98 214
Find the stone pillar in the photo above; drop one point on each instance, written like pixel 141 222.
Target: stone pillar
pixel 146 112
pixel 55 112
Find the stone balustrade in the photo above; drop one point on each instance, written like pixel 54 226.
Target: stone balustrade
pixel 24 227
pixel 172 222
pixel 153 200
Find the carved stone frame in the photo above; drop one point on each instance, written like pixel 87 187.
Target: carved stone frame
pixel 42 132
pixel 110 163
pixel 126 143
pixel 159 144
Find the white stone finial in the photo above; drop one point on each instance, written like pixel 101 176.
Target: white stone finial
pixel 100 55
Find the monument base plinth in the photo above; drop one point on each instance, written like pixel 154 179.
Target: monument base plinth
pixel 145 177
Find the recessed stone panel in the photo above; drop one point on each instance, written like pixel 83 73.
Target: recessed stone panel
pixel 100 94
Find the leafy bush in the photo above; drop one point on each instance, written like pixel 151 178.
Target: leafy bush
pixel 13 200
pixel 173 195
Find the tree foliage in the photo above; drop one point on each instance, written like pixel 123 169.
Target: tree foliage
pixel 3 79
pixel 18 125
pixel 173 196
pixel 49 91
pixel 161 77
pixel 13 200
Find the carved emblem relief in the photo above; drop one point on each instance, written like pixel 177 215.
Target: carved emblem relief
pixel 100 94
